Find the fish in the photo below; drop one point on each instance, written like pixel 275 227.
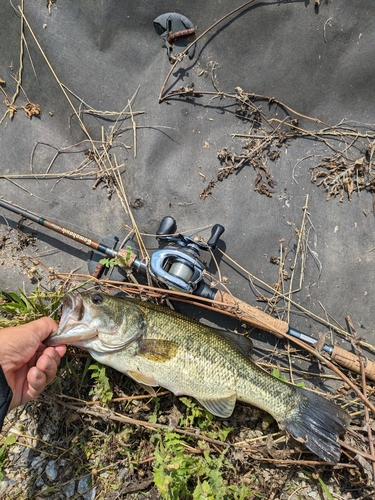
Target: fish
pixel 156 346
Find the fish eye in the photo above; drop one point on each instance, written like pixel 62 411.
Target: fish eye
pixel 97 299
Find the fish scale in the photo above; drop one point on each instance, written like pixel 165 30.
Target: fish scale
pixel 199 360
pixel 219 364
pixel 156 346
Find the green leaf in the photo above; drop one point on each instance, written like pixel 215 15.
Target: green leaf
pixel 203 491
pixel 153 418
pixel 325 489
pixel 276 374
pixel 160 480
pixel 9 440
pixel 15 298
pixel 108 262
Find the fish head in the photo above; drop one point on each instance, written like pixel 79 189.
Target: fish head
pixel 98 322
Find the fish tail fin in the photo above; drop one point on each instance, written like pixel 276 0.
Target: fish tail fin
pixel 318 423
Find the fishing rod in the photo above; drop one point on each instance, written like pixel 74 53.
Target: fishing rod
pixel 177 266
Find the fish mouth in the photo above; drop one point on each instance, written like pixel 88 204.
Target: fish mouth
pixel 74 326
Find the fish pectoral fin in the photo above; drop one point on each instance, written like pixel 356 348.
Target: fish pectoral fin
pixel 221 407
pixel 158 350
pixel 143 380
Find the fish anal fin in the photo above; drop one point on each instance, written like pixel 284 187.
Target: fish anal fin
pixel 158 350
pixel 221 407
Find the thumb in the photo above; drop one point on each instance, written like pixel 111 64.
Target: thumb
pixel 41 328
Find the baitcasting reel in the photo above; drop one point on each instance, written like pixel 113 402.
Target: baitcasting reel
pixel 178 265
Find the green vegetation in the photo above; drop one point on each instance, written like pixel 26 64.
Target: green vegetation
pixel 4 444
pixel 95 422
pixel 18 308
pixel 276 374
pixel 196 416
pixel 102 388
pixel 108 262
pixel 180 474
pixel 119 260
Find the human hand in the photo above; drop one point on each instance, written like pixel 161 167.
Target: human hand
pixel 28 365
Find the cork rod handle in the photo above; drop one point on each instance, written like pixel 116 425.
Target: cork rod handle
pixel 351 362
pixel 252 315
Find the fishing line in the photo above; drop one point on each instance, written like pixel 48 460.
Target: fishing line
pixel 55 310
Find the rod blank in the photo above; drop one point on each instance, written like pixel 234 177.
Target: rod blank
pixel 60 229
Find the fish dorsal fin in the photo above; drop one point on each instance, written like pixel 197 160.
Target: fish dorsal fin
pixel 240 342
pixel 221 407
pixel 158 350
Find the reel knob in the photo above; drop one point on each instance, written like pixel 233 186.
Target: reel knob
pixel 167 226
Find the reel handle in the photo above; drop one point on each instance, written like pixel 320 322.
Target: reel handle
pixel 216 232
pixel 168 227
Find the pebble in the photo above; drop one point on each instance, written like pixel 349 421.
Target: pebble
pixel 39 483
pixel 314 495
pixel 83 487
pixel 37 462
pixel 90 495
pixel 69 489
pixel 122 473
pixel 51 471
pixel 4 485
pixel 84 483
pixel 25 458
pixel 15 450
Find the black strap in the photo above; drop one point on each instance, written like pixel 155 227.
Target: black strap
pixel 6 395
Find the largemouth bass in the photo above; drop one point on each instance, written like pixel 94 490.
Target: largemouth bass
pixel 158 347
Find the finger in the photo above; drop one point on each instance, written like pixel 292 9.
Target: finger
pixel 44 372
pixel 37 382
pixel 61 349
pixel 55 353
pixel 48 363
pixel 41 328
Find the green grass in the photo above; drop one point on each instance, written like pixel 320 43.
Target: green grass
pixel 18 308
